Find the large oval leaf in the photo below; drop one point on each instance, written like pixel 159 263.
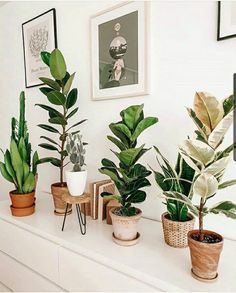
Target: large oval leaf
pixel 68 84
pixel 208 109
pixel 72 98
pixel 218 166
pixel 57 64
pixel 198 150
pixel 219 132
pixel 132 115
pixel 56 98
pixel 144 124
pixel 58 120
pixel 53 84
pixel 205 185
pixel 45 56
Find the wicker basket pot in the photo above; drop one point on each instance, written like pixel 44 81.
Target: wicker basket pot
pixel 176 233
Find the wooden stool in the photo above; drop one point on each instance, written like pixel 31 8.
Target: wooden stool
pixel 77 200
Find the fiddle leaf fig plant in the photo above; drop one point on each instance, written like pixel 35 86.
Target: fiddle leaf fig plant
pixel 202 154
pixel 19 167
pixel 62 99
pixel 129 176
pixel 179 179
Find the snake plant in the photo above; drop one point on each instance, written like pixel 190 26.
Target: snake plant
pixel 59 93
pixel 129 176
pixel 18 166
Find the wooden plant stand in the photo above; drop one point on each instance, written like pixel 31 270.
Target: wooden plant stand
pixel 77 200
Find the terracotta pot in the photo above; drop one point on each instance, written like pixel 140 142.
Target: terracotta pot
pixel 57 191
pixel 176 233
pixel 23 212
pixel 22 200
pixel 204 256
pixel 125 228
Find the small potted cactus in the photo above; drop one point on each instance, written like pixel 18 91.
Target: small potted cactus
pixel 76 178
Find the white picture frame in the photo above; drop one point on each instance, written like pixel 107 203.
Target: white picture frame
pixel 135 80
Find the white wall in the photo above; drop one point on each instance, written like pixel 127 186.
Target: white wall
pixel 185 57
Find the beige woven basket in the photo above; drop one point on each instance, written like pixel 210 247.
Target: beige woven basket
pixel 176 233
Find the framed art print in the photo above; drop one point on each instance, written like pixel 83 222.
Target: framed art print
pixel 39 34
pixel 119 51
pixel 226 20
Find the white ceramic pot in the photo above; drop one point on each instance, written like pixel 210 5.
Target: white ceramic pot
pixel 76 182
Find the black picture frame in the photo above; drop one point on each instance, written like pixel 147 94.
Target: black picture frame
pixel 219 37
pixel 53 10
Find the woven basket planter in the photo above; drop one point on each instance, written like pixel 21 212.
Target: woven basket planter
pixel 176 233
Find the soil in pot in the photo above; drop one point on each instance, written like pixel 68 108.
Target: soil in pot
pixel 125 228
pixel 175 232
pixel 22 200
pixel 205 255
pixel 57 190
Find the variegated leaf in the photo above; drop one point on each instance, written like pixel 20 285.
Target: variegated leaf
pixel 205 185
pixel 218 166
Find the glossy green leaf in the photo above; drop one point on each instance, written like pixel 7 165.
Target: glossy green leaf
pixel 8 165
pixel 226 208
pixel 45 56
pixel 117 142
pixel 228 104
pixel 56 98
pixel 68 84
pixel 48 146
pixel 17 164
pixel 57 64
pixel 49 139
pixel 48 128
pixel 72 98
pixel 132 115
pixel 72 113
pixel 143 124
pixel 137 197
pixel 77 124
pixel 58 120
pixel 129 156
pixel 22 149
pixel 45 90
pixel 52 112
pixel 29 184
pixel 50 82
pixel 4 173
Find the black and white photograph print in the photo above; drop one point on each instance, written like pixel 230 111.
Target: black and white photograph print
pixel 119 52
pixel 39 34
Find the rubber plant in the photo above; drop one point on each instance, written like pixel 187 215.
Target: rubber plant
pixel 19 166
pixel 129 176
pixel 62 99
pixel 59 94
pixel 213 119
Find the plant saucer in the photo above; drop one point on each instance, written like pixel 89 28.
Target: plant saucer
pixel 126 242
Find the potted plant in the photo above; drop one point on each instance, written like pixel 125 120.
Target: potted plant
pixel 19 167
pixel 59 93
pixel 177 221
pixel 129 176
pixel 76 178
pixel 213 118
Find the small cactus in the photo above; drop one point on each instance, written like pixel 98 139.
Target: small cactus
pixel 76 151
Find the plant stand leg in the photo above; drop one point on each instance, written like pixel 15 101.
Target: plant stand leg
pixel 82 219
pixel 64 220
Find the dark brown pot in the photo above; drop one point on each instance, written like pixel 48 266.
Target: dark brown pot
pixel 57 190
pixel 23 212
pixel 204 256
pixel 22 200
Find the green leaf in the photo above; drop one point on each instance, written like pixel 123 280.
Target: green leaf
pixel 144 124
pixel 136 184
pixel 45 90
pixel 108 163
pixel 35 161
pixel 201 127
pixel 123 138
pixel 226 152
pixel 8 166
pixel 131 115
pixel 48 146
pixel 72 98
pixel 26 170
pixel 129 156
pixel 72 113
pixel 228 104
pixel 68 84
pixel 22 149
pixel 56 162
pixel 49 139
pixel 4 173
pixel 111 174
pixel 52 112
pixel 50 82
pixel 138 171
pixel 45 56
pixel 56 98
pixel 77 124
pixel 137 197
pixel 121 128
pixel 29 184
pixel 227 184
pixel 58 120
pixel 57 64
pixel 48 128
pixel 226 208
pixel 17 164
pixel 118 143
pixel 160 180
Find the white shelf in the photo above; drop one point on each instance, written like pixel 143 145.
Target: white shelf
pixel 151 261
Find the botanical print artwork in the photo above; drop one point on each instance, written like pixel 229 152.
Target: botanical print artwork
pixel 118 51
pixel 39 34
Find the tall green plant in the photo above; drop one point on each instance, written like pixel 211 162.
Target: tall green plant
pixel 213 118
pixel 175 179
pixel 59 93
pixel 18 167
pixel 129 176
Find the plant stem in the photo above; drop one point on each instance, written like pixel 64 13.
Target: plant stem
pixel 201 238
pixel 63 136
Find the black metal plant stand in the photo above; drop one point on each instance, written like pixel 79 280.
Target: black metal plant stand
pixel 77 200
